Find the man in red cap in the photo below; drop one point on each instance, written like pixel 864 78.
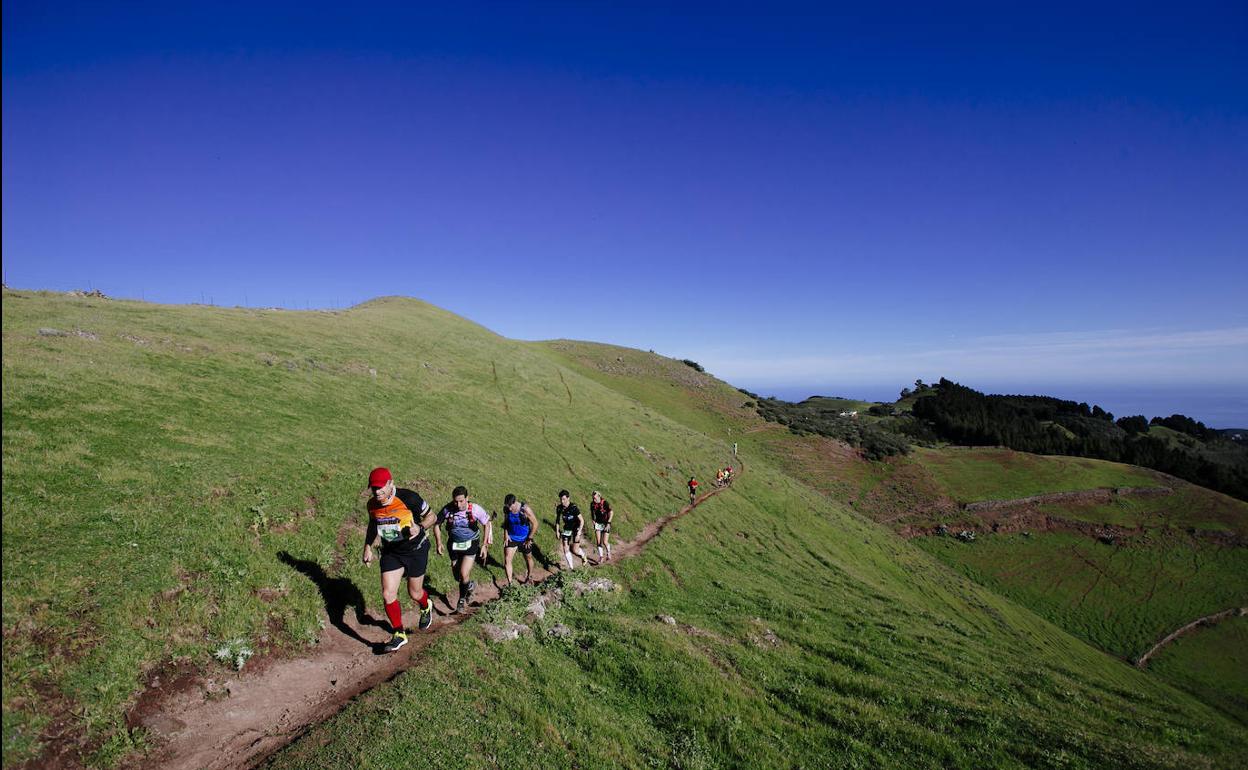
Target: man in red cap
pixel 399 517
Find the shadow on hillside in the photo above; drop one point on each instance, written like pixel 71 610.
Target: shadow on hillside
pixel 339 595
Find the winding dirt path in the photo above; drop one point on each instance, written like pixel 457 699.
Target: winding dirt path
pixel 1208 620
pixel 255 713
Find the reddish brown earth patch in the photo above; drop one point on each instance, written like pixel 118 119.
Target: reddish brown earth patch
pixel 64 740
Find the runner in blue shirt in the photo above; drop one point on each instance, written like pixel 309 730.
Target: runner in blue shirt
pixel 520 524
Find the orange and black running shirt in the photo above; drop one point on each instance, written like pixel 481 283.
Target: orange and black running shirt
pixel 395 521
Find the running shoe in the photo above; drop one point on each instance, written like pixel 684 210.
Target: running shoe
pixel 398 640
pixel 426 616
pixel 459 606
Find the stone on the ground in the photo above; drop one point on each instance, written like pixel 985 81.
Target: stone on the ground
pixel 560 631
pixel 537 607
pixel 580 588
pixel 509 631
pixel 668 619
pixel 544 601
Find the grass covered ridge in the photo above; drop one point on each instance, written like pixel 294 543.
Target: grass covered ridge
pixel 158 459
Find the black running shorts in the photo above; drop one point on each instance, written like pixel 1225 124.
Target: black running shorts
pixel 413 562
pixel 525 546
pixel 465 548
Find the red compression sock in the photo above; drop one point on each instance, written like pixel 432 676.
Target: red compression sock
pixel 423 601
pixel 395 613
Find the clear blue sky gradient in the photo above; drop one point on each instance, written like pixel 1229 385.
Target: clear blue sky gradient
pixel 807 199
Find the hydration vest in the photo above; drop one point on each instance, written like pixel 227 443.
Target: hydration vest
pixel 517 524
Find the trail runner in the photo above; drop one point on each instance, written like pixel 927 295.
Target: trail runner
pixel 693 490
pixel 600 511
pixel 519 524
pixel 400 517
pixel 465 521
pixel 570 523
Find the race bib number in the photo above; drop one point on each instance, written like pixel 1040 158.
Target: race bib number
pixel 566 533
pixel 601 527
pixel 461 546
pixel 390 532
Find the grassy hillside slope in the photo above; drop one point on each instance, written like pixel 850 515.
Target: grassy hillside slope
pixel 1174 558
pixel 158 460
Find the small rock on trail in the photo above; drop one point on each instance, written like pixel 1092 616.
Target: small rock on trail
pixel 506 632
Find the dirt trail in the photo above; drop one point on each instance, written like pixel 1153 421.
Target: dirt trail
pixel 263 709
pixel 1208 620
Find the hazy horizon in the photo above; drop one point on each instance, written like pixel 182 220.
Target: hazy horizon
pixel 1215 406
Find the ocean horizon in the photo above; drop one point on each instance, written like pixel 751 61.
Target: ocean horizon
pixel 1217 406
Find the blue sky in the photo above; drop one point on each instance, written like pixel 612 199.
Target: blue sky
pixel 812 199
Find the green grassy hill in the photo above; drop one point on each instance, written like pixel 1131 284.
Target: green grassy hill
pixel 1174 559
pixel 157 460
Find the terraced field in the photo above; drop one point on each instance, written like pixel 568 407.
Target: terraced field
pixel 1121 598
pixel 1213 663
pixel 972 474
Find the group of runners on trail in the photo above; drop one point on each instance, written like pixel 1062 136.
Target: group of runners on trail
pixel 723 477
pixel 402 520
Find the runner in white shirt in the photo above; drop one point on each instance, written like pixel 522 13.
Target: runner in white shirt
pixel 465 522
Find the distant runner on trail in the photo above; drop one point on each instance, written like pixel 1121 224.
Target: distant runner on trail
pixel 570 523
pixel 400 517
pixel 728 475
pixel 693 490
pixel 464 521
pixel 520 524
pixel 719 477
pixel 600 511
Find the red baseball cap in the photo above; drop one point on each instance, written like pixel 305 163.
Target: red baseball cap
pixel 379 477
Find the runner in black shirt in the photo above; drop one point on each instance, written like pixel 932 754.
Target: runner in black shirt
pixel 569 522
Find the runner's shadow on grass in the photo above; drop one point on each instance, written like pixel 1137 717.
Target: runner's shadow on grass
pixel 339 595
pixel 435 595
pixel 541 558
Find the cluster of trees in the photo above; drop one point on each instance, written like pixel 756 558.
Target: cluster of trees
pixel 1046 425
pixel 823 417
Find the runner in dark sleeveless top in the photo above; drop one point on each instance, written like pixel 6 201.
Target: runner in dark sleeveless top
pixel 519 524
pixel 600 511
pixel 400 517
pixel 569 522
